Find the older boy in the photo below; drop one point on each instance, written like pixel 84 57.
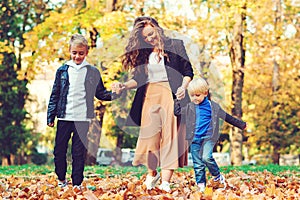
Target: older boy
pixel 202 131
pixel 72 102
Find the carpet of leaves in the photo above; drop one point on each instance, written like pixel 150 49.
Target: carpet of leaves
pixel 240 185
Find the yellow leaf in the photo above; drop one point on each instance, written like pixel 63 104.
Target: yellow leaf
pixel 208 191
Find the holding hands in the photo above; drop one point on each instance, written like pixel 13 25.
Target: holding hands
pixel 180 94
pixel 117 87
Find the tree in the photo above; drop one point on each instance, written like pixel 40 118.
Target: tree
pixel 12 131
pixel 271 100
pixel 16 18
pixel 237 56
pixel 91 20
pixel 263 45
pixel 222 26
pixel 219 29
pixel 275 85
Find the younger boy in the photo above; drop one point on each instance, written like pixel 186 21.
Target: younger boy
pixel 72 102
pixel 202 131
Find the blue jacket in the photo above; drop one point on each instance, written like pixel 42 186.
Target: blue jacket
pixel 217 113
pixel 93 87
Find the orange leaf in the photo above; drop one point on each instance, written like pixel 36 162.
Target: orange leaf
pixel 89 195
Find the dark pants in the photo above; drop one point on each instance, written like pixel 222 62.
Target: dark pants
pixel 79 142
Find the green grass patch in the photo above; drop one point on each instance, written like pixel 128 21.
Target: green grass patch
pixel 26 170
pixel 113 171
pixel 274 169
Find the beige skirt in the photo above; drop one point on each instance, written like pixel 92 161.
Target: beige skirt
pixel 161 139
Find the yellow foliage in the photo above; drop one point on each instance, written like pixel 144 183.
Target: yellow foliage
pixel 5 47
pixel 211 31
pixel 111 24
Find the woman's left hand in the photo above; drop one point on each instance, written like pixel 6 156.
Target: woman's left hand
pixel 180 94
pixel 117 87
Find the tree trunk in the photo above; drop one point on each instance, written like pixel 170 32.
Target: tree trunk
pixel 6 161
pixel 237 56
pixel 95 134
pixel 275 87
pixel 12 159
pixel 22 159
pixel 111 5
pixel 95 129
pixel 93 36
pixel 275 154
pixel 275 116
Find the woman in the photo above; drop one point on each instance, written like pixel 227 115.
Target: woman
pixel 161 72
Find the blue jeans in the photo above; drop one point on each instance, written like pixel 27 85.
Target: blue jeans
pixel 201 150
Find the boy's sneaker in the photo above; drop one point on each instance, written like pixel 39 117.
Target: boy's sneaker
pixel 201 187
pixel 62 184
pixel 165 186
pixel 151 181
pixel 77 188
pixel 221 180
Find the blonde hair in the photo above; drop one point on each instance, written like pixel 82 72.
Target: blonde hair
pixel 198 86
pixel 78 39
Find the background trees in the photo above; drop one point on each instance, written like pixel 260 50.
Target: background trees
pixel 248 51
pixel 270 97
pixel 16 19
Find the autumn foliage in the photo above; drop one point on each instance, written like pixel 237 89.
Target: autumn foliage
pixel 240 185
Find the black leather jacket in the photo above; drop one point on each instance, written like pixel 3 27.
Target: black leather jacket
pixel 93 87
pixel 217 113
pixel 177 66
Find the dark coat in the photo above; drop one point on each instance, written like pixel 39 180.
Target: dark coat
pixel 217 113
pixel 58 98
pixel 177 66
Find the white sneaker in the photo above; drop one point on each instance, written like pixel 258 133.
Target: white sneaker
pixel 77 188
pixel 165 186
pixel 201 187
pixel 221 180
pixel 151 181
pixel 62 184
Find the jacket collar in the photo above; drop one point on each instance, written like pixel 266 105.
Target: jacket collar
pixel 77 67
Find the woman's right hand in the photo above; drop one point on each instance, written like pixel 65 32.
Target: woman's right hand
pixel 120 87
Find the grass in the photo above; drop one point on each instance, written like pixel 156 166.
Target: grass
pixel 26 170
pixel 110 171
pixel 274 169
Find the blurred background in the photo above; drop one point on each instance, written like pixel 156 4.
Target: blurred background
pixel 249 51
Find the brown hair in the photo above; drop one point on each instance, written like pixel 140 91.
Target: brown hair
pixel 137 50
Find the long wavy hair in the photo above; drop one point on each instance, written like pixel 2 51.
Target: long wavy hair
pixel 137 50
